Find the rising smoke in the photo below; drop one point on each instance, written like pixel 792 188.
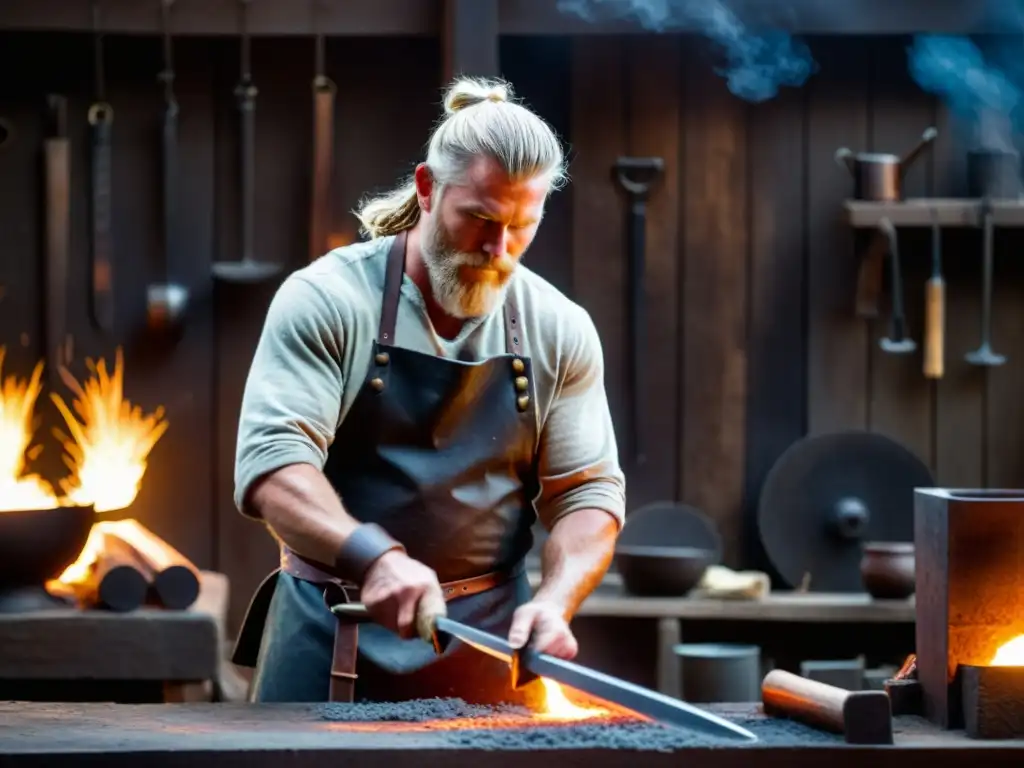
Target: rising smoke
pixel 981 88
pixel 758 63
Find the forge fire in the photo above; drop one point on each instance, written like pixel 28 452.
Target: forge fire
pixel 106 451
pixel 106 442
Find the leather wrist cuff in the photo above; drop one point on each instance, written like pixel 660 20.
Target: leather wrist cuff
pixel 361 550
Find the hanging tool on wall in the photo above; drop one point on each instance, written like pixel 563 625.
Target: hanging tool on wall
pixel 935 309
pixel 870 276
pixel 101 121
pixel 637 175
pixel 167 301
pixel 897 342
pixel 983 355
pixel 247 269
pixel 324 91
pixel 57 183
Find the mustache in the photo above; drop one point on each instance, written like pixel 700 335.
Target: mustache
pixel 503 264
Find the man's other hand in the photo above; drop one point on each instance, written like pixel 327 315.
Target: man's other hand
pixel 543 626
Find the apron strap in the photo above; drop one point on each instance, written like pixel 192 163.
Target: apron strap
pixel 513 329
pixel 346 633
pixel 394 272
pixel 342 686
pixel 392 290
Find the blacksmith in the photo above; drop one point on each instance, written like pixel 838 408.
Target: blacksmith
pixel 416 401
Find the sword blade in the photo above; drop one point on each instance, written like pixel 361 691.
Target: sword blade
pixel 625 695
pixel 618 693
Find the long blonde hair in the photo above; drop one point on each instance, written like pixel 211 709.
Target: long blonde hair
pixel 481 118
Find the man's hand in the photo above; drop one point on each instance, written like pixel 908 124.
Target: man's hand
pixel 542 624
pixel 403 595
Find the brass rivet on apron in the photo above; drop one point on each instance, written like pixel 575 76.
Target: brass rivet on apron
pixel 377 384
pixel 523 402
pixel 381 358
pixel 518 365
pixel 522 383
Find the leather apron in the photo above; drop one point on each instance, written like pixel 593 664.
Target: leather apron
pixel 441 453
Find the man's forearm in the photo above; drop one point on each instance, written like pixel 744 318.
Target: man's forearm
pixel 302 509
pixel 575 558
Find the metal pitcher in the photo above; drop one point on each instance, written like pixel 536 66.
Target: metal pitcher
pixel 878 176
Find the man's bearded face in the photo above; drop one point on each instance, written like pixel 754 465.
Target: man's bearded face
pixel 475 235
pixel 464 284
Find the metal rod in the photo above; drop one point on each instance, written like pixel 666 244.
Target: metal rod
pixel 246 93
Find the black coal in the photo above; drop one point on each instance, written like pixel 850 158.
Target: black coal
pixel 614 733
pixel 419 711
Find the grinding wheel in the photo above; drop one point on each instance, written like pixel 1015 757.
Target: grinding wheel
pixel 829 494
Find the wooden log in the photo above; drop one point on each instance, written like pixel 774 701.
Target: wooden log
pixel 120 580
pixel 175 580
pixel 116 580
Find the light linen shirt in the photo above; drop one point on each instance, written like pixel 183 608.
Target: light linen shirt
pixel 316 347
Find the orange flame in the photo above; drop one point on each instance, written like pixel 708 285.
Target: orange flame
pixel 558 707
pixel 1010 654
pixel 18 490
pixel 106 453
pixel 108 447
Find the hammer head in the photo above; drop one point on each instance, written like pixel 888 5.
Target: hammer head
pixel 867 718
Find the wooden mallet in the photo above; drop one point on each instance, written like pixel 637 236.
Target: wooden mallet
pixel 862 717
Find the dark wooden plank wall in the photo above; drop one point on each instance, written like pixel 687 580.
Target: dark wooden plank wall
pixel 752 338
pixel 754 342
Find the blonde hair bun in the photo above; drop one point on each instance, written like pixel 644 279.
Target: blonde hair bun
pixel 469 91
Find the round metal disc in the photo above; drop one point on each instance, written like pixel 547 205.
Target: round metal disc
pixel 827 495
pixel 668 524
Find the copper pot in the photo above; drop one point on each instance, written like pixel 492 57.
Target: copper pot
pixel 879 176
pixel 887 569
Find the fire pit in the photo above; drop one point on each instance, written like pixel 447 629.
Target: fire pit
pixel 36 545
pixel 52 550
pixel 970 609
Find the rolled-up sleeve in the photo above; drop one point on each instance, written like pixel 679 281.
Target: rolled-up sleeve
pixel 293 393
pixel 578 461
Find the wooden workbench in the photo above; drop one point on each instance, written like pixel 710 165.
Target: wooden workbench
pixel 146 652
pixel 280 736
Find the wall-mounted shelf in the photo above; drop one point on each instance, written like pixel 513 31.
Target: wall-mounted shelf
pixel 948 212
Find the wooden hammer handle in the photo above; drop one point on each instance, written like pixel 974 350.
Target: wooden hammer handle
pixel 934 322
pixel 784 694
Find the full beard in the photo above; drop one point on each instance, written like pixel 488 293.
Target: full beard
pixel 455 292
